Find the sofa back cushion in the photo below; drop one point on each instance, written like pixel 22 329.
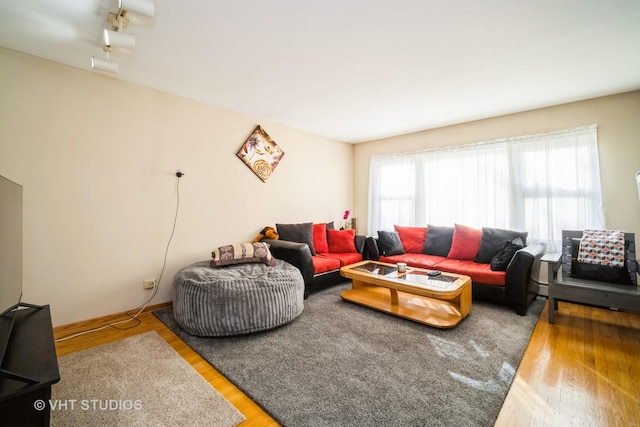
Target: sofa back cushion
pixel 300 233
pixel 493 240
pixel 438 240
pixel 320 243
pixel 389 243
pixel 465 242
pixel 412 238
pixel 341 241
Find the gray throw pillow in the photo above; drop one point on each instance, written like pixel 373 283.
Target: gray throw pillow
pixel 493 240
pixel 300 233
pixel 438 240
pixel 389 243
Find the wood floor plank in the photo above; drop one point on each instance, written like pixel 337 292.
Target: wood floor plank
pixel 583 370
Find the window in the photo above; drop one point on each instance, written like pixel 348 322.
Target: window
pixel 540 183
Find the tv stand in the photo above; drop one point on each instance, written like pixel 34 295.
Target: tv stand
pixel 14 375
pixel 30 355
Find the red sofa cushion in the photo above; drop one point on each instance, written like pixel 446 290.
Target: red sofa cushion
pixel 344 258
pixel 322 264
pixel 320 238
pixel 479 273
pixel 415 260
pixel 341 241
pixel 412 238
pixel 465 243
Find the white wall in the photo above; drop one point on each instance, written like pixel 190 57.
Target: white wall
pixel 97 160
pixel 618 120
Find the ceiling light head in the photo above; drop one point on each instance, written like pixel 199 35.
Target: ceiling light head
pixel 118 39
pixel 102 65
pixel 140 7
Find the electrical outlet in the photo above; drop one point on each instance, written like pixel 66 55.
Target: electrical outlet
pixel 149 284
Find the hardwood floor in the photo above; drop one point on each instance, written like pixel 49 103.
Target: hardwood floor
pixel 584 370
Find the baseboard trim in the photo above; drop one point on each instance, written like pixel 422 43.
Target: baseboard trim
pixel 544 290
pixel 83 325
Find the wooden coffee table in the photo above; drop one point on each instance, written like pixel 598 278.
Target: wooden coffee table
pixel 441 301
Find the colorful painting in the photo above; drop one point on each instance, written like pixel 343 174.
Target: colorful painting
pixel 260 153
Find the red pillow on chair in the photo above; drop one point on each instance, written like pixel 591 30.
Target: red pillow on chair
pixel 342 241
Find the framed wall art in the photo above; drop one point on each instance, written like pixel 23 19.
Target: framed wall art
pixel 260 153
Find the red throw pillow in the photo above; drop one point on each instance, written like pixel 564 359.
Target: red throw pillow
pixel 342 241
pixel 412 238
pixel 320 238
pixel 465 243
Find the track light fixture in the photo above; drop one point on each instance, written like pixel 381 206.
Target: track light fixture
pixel 102 65
pixel 119 20
pixel 118 39
pixel 114 37
pixel 140 7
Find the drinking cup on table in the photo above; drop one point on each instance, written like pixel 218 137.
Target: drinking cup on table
pixel 402 267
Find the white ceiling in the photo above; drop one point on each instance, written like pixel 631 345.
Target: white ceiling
pixel 353 70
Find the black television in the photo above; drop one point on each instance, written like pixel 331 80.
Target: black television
pixel 10 262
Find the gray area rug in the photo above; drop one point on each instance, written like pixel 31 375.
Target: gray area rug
pixel 137 381
pixel 340 364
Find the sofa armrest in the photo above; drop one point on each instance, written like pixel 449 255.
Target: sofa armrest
pixel 360 243
pixel 371 251
pixel 296 254
pixel 519 275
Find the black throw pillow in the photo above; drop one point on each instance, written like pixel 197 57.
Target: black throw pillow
pixel 389 243
pixel 300 233
pixel 493 241
pixel 438 240
pixel 501 261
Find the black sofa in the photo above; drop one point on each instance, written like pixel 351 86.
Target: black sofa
pixel 299 255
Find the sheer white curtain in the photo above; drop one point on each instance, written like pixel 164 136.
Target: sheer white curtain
pixel 392 189
pixel 540 183
pixel 468 185
pixel 557 184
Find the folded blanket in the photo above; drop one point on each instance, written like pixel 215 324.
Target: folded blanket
pixel 602 247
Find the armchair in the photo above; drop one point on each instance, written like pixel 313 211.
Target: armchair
pixel 590 284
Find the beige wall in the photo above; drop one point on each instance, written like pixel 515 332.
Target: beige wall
pixel 97 160
pixel 618 120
